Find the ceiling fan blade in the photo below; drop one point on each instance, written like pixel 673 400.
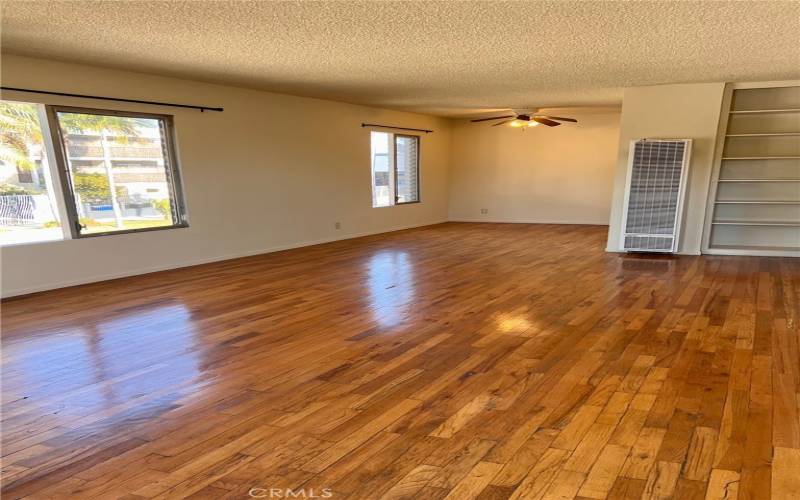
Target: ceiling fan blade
pixel 493 118
pixel 559 118
pixel 504 121
pixel 545 121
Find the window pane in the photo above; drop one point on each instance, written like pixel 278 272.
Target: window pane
pixel 28 210
pixel 406 153
pixel 120 172
pixel 381 170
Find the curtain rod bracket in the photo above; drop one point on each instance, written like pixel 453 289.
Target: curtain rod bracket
pixel 396 128
pixel 136 101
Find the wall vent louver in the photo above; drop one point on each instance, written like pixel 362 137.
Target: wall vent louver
pixel 654 194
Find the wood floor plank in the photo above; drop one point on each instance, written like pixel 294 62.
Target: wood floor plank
pixel 662 481
pixel 359 437
pixel 412 482
pixel 700 458
pixel 627 489
pixel 474 482
pixel 538 479
pixel 461 463
pixel 785 479
pixel 461 417
pixel 589 448
pixel 723 485
pixel 564 485
pixel 643 454
pixel 573 433
pixel 604 472
pixel 469 360
pixel 517 467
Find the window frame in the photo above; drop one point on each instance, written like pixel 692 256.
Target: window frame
pixel 394 164
pixel 59 150
pixel 392 156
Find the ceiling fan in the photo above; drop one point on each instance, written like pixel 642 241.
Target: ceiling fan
pixel 524 120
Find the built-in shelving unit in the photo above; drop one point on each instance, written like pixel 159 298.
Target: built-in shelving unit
pixel 759 180
pixel 756 192
pixel 778 134
pixel 762 202
pixel 763 111
pixel 761 158
pixel 754 223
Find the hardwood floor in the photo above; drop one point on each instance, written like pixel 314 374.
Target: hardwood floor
pixel 454 361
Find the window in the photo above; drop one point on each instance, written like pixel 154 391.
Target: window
pixel 87 173
pixel 406 168
pixel 395 169
pixel 121 173
pixel 28 198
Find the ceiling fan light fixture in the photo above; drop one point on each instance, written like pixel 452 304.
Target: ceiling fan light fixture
pixel 525 120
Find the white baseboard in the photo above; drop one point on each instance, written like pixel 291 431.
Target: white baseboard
pixel 753 252
pixel 530 221
pixel 196 262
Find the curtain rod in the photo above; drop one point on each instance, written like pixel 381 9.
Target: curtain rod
pixel 396 128
pixel 66 94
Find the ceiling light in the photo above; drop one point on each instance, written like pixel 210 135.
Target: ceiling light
pixel 519 123
pixel 533 124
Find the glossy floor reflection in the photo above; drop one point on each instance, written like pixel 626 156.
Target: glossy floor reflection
pixel 391 286
pixel 80 367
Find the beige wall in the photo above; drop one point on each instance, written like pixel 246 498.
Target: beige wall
pixel 271 172
pixel 684 111
pixel 556 175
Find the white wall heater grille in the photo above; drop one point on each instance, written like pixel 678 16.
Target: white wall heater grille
pixel 654 194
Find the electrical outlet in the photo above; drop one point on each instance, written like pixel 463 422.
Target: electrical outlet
pixel 337 225
pixel 484 211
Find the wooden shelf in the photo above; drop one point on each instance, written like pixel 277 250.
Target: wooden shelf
pixel 759 180
pixel 754 223
pixel 761 157
pixel 759 111
pixel 760 202
pixel 757 210
pixel 773 134
pixel 754 248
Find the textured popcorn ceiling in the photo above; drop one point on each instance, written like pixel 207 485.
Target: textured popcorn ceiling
pixel 447 58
